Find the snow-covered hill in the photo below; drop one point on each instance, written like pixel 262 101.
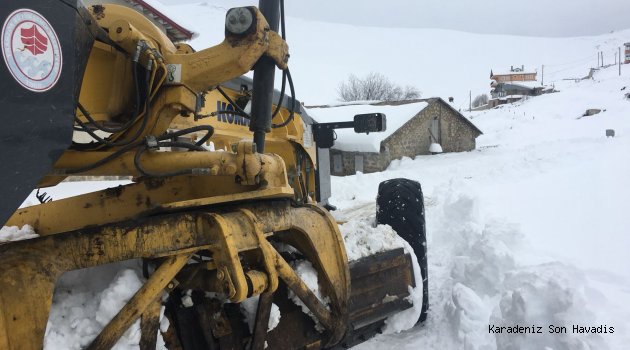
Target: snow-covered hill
pixel 439 62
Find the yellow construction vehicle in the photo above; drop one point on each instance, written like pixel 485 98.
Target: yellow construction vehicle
pixel 211 209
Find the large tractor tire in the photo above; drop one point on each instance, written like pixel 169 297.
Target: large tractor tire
pixel 400 204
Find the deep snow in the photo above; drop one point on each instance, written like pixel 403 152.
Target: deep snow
pixel 529 229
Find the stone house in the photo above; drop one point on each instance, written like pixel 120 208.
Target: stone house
pixel 413 128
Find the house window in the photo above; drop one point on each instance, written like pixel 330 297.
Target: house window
pixel 337 164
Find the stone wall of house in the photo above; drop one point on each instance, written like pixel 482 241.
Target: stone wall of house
pixel 372 162
pixel 412 139
pixel 455 134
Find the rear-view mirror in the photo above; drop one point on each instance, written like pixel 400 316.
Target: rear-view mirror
pixel 371 122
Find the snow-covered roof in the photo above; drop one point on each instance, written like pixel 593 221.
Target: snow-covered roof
pixel 529 84
pixel 348 140
pixel 514 72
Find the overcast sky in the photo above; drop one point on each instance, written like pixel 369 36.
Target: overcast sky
pixel 530 17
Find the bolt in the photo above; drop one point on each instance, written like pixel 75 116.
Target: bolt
pixel 171 285
pixel 220 274
pixel 119 30
pixel 226 288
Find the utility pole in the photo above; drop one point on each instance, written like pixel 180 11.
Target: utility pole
pixel 597 59
pixel 602 58
pixel 619 60
pixel 543 75
pixel 470 101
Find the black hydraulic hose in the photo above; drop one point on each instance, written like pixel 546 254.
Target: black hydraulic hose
pixel 140 130
pixel 205 137
pixel 107 159
pixel 238 108
pixel 209 129
pixel 85 128
pixel 284 35
pixel 281 99
pixel 284 73
pixel 126 145
pixel 292 111
pixel 125 126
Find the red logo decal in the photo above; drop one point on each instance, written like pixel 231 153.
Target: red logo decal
pixel 33 40
pixel 31 50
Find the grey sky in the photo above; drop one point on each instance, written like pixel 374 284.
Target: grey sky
pixel 531 17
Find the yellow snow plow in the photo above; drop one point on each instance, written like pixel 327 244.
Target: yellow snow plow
pixel 211 212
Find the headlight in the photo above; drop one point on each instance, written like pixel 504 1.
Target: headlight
pixel 239 20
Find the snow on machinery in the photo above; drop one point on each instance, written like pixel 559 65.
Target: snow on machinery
pixel 220 226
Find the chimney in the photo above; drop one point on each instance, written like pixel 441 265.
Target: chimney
pixel 523 68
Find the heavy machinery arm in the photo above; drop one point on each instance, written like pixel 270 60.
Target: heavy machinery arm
pixel 213 221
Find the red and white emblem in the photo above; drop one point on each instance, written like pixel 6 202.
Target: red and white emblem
pixel 31 50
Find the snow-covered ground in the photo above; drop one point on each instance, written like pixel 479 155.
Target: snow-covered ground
pixel 530 229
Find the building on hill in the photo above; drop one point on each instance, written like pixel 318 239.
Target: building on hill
pixel 515 74
pixel 511 86
pixel 414 127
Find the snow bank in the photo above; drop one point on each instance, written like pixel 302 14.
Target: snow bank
pixel 14 233
pixel 84 302
pixel 362 238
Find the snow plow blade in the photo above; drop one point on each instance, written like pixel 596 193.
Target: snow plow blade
pixel 379 288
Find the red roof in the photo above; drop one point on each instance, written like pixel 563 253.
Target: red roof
pixel 174 31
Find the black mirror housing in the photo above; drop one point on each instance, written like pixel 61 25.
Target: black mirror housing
pixel 371 122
